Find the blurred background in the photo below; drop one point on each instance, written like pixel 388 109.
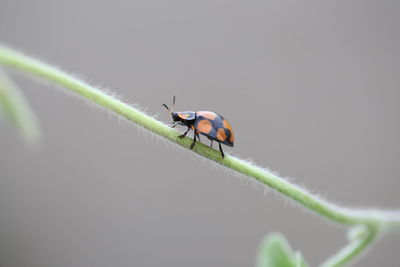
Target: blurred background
pixel 311 89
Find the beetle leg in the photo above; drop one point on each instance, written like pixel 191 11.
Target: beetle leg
pixel 174 124
pixel 194 141
pixel 198 136
pixel 211 142
pixel 184 134
pixel 220 149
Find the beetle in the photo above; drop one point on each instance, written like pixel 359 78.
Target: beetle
pixel 207 123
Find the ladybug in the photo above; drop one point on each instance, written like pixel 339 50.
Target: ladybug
pixel 207 123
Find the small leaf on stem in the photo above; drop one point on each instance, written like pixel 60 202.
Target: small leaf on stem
pixel 275 251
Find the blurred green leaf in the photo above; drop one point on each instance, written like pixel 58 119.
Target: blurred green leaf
pixel 275 251
pixel 16 110
pixel 300 261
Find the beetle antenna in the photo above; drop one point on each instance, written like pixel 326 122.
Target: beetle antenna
pixel 173 104
pixel 166 107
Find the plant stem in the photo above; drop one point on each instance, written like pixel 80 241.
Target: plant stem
pixel 16 109
pixel 19 61
pixel 354 248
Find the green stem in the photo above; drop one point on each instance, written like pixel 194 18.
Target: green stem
pixel 16 109
pixel 353 249
pixel 14 59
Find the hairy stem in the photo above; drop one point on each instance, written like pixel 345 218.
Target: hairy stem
pixel 353 249
pixel 14 59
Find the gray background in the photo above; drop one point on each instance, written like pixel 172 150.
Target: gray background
pixel 310 87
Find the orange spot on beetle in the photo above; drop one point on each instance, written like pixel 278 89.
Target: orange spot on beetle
pixel 227 125
pixel 183 116
pixel 221 135
pixel 232 138
pixel 207 114
pixel 204 126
